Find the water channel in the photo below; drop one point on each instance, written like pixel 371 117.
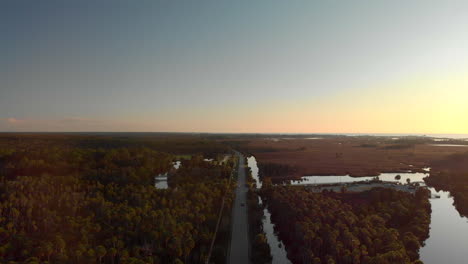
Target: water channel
pixel 278 250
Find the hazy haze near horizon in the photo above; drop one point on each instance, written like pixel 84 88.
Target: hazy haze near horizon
pixel 234 66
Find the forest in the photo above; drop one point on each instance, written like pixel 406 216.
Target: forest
pixel 92 199
pixel 377 226
pixel 276 172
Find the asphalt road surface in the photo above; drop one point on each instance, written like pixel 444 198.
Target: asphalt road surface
pixel 239 251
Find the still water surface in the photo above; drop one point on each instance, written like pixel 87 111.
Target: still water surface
pixel 448 145
pixel 389 177
pixel 278 251
pixel 160 181
pixel 448 241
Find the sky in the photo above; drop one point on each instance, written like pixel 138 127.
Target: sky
pixel 234 66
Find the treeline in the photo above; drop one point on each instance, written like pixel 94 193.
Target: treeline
pixel 61 202
pixel 379 226
pixel 275 171
pixel 162 142
pixel 451 174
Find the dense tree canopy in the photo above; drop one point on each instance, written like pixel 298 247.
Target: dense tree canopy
pixel 65 202
pixel 377 226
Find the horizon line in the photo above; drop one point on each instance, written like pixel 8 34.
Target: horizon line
pixel 232 133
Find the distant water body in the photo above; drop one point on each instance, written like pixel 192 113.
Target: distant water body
pixel 451 136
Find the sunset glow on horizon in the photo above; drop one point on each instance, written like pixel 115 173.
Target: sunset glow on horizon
pixel 223 66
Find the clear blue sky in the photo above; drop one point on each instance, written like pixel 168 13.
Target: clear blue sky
pixel 233 66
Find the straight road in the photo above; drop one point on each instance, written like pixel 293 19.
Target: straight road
pixel 239 251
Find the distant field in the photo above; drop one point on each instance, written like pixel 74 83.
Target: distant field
pixel 357 156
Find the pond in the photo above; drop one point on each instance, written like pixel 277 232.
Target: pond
pixel 160 181
pixel 177 164
pixel 388 177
